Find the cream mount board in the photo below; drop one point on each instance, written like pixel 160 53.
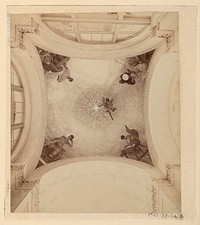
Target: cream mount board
pixel 101 112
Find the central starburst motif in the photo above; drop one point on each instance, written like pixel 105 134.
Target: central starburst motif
pixel 88 111
pixel 96 107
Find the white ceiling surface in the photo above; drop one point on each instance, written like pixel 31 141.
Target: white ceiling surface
pixel 96 187
pixel 68 103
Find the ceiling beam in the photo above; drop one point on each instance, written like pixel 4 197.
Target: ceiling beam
pixel 100 32
pixel 84 15
pixel 17 88
pixel 134 21
pixel 17 126
pixel 75 25
pixel 117 28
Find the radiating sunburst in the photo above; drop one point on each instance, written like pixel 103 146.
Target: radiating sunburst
pixel 89 113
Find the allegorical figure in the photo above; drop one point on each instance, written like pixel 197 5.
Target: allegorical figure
pixel 55 64
pixel 108 106
pixel 132 138
pixel 132 142
pixel 54 150
pixel 134 68
pixel 128 77
pixel 62 75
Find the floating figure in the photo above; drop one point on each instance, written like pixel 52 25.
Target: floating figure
pixel 108 106
pixel 54 150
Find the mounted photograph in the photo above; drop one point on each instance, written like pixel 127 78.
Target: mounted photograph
pixel 95 112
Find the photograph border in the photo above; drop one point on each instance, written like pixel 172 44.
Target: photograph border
pixel 189 19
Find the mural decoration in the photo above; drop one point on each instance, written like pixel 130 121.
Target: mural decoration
pixel 135 68
pixel 134 148
pixel 95 113
pixel 108 106
pixel 53 149
pixel 89 83
pixel 55 65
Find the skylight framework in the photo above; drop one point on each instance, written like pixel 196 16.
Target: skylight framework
pixel 97 28
pixel 17 107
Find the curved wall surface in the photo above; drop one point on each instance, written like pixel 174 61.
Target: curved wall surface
pixel 35 112
pixel 52 42
pixel 163 107
pixel 96 186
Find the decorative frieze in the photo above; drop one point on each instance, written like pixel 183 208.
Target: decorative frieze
pixel 20 183
pixel 169 177
pixel 24 184
pixel 35 195
pixel 17 167
pixel 153 31
pixel 154 199
pixel 166 35
pixel 21 30
pixel 158 182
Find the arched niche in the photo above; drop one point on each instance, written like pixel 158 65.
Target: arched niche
pixel 35 111
pixel 163 110
pixel 99 185
pixel 52 42
pixel 96 186
pixel 26 110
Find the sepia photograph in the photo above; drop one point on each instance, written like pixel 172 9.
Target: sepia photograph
pixel 96 123
pixel 88 128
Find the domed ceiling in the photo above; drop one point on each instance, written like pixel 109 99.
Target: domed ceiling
pixel 77 106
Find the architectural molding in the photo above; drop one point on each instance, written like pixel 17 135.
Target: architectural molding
pixel 166 35
pixel 17 167
pixel 52 42
pixel 158 52
pixel 166 181
pixel 169 178
pixel 22 30
pixel 157 17
pixel 154 199
pixel 20 185
pixel 27 107
pixel 18 171
pixel 93 52
pixel 35 198
pixel 162 101
pixel 37 110
pixel 117 27
pixel 132 21
pixel 158 181
pixel 40 171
